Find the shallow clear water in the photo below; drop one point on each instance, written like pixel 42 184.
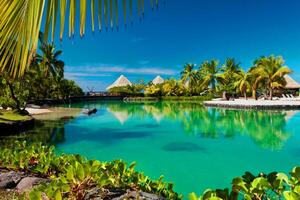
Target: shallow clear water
pixel 192 146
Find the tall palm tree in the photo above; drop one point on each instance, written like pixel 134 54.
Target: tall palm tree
pixel 242 82
pixel 270 70
pixel 210 72
pixel 21 22
pixel 189 75
pixel 50 62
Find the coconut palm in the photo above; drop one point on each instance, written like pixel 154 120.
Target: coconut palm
pixel 227 78
pixel 189 75
pixel 230 66
pixel 242 83
pixel 210 73
pixel 49 61
pixel 270 70
pixel 21 22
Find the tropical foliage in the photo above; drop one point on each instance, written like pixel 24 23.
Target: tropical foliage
pixel 73 176
pixel 21 22
pixel 264 77
pixel 44 79
pixel 130 90
pixel 262 187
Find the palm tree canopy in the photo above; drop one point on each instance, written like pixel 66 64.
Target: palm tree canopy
pixel 210 72
pixel 21 22
pixel 271 69
pixel 242 81
pixel 189 75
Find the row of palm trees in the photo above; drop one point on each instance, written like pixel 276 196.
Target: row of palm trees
pixel 266 75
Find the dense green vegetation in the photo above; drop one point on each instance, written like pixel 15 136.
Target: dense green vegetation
pixel 211 79
pixel 74 175
pixel 44 79
pixel 262 187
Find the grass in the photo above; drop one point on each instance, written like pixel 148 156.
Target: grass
pixel 12 116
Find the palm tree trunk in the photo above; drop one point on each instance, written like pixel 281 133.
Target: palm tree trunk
pixel 245 94
pixel 271 93
pixel 254 94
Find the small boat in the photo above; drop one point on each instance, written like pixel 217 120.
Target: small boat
pixel 89 111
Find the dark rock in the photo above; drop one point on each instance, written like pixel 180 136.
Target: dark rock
pixel 91 193
pixel 139 195
pixel 29 182
pixel 9 180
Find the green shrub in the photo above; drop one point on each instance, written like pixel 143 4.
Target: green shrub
pixel 262 187
pixel 74 175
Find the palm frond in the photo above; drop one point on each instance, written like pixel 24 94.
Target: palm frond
pixel 21 22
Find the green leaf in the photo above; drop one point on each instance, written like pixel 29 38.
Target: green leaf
pixel 296 172
pixel 79 171
pixel 35 195
pixel 290 195
pixel 193 196
pixel 70 173
pixel 283 177
pixel 57 195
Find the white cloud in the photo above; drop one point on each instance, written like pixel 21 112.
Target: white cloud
pixel 98 70
pixel 74 75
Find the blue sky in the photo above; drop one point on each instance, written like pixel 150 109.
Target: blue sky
pixel 185 31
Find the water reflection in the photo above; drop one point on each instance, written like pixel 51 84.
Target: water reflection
pixel 46 132
pixel 266 128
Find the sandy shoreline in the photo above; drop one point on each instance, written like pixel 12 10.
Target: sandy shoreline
pixel 37 111
pixel 53 113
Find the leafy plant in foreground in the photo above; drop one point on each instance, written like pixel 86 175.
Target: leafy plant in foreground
pixel 73 175
pixel 262 187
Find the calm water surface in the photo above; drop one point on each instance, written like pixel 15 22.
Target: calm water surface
pixel 192 146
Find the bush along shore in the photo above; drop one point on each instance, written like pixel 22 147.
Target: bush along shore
pixel 37 172
pixel 34 171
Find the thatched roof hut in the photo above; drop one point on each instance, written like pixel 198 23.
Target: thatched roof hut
pixel 291 83
pixel 120 82
pixel 158 80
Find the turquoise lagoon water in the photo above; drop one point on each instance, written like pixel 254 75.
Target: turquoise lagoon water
pixel 192 146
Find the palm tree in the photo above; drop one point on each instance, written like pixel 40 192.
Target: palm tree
pixel 21 22
pixel 270 70
pixel 242 82
pixel 210 72
pixel 50 62
pixel 230 67
pixel 189 76
pixel 227 78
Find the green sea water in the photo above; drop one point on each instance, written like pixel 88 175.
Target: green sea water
pixel 192 146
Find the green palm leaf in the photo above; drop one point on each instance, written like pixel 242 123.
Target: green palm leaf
pixel 21 22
